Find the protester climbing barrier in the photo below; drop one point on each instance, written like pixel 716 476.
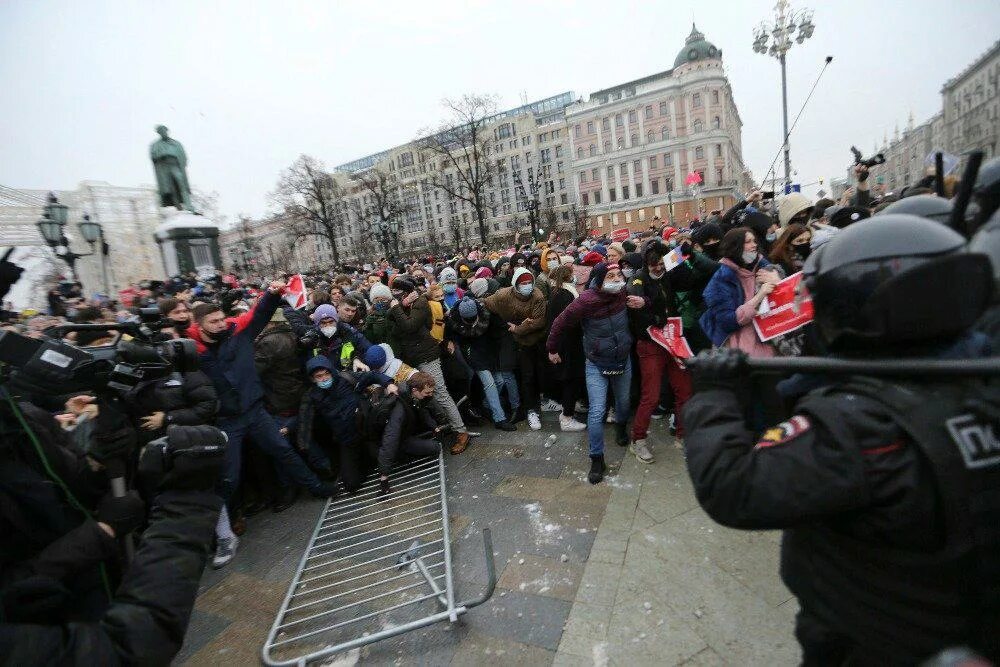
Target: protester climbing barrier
pixel 376 566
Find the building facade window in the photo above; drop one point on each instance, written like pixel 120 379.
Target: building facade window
pixel 579 152
pixel 638 190
pixel 636 166
pixel 715 97
pixel 586 199
pixel 654 186
pixel 624 192
pixel 593 150
pixel 632 117
pixel 576 131
pixel 619 122
pixel 652 162
pixel 698 125
pixel 699 152
pixel 696 100
pixel 605 124
pixel 595 175
pixel 611 195
pixel 649 136
pixel 583 177
pixel 668 160
pixel 597 197
pixel 649 111
pixel 559 151
pixel 669 184
pixel 607 146
pixel 633 140
pixel 717 123
pixel 664 133
pixel 611 172
pixel 718 176
pixel 623 169
pixel 621 143
pixel 663 108
pixel 590 127
pixel 718 150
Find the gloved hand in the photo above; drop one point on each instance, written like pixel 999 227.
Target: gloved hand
pixel 123 514
pixel 188 458
pixel 717 369
pixel 360 367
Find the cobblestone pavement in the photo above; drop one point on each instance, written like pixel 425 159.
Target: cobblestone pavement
pixel 627 572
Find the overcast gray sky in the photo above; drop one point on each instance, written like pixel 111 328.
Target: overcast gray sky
pixel 248 86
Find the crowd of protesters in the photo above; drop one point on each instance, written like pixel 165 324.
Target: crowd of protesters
pixel 392 358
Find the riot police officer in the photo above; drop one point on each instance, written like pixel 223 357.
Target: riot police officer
pixel 888 490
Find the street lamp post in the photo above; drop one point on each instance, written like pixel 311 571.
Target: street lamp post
pixel 786 23
pixel 387 230
pixel 52 227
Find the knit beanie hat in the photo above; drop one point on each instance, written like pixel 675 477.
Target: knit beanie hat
pixel 522 275
pixel 379 291
pixel 375 357
pixel 600 249
pixel 479 286
pixel 484 272
pixel 468 308
pixel 592 258
pixel 448 275
pixel 792 204
pixel 323 312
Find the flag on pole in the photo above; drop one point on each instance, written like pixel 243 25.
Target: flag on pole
pixel 295 292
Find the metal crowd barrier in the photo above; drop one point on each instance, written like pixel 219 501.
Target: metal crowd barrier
pixel 376 567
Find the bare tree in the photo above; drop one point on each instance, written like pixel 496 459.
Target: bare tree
pixel 382 207
pixel 311 198
pixel 527 192
pixel 464 170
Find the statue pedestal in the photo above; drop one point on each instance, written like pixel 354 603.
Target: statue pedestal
pixel 188 242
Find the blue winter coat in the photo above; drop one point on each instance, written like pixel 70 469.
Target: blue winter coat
pixel 722 296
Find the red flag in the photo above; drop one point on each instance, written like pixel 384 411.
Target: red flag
pixel 295 292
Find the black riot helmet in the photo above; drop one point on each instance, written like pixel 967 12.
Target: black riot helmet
pixel 926 206
pixel 987 242
pixel 895 280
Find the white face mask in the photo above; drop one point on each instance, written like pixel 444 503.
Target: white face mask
pixel 749 256
pixel 552 263
pixel 628 273
pixel 328 331
pixel 613 287
pixel 526 289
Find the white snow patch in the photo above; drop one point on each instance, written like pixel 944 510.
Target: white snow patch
pixel 600 654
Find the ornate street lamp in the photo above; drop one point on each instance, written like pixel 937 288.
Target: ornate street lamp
pixel 787 23
pixel 52 226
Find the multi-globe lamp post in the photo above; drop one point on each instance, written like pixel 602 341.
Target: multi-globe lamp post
pixel 789 25
pixel 52 227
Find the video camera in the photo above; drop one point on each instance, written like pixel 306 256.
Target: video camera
pixel 51 365
pixel 878 158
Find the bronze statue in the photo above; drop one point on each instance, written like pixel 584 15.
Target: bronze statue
pixel 170 165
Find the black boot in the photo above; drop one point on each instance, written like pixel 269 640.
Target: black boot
pixel 597 469
pixel 505 426
pixel 519 415
pixel 621 434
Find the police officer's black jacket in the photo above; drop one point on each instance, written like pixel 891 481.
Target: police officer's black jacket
pixel 877 545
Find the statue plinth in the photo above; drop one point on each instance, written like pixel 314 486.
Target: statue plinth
pixel 188 242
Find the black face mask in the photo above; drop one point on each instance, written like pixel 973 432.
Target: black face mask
pixel 803 251
pixel 181 327
pixel 712 250
pixel 219 337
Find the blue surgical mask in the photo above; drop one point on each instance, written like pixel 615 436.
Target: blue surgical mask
pixel 772 237
pixel 381 306
pixel 526 289
pixel 449 288
pixel 325 384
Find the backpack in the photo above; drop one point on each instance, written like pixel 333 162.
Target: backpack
pixel 374 408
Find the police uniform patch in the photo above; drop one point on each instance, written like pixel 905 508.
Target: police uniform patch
pixel 783 432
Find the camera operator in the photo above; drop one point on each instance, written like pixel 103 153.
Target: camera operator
pixel 58 519
pixel 226 351
pixel 146 620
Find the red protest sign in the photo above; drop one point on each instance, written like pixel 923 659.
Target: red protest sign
pixel 295 291
pixel 671 338
pixel 620 234
pixel 785 312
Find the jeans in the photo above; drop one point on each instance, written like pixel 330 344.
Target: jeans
pixel 492 395
pixel 315 456
pixel 597 394
pixel 261 426
pixel 507 380
pixel 441 396
pixel 654 361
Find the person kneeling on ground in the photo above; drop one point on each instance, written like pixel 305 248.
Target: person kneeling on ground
pixel 334 398
pixel 411 426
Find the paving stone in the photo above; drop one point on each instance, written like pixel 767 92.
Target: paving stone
pixel 569 660
pixel 529 619
pixel 239 644
pixel 637 637
pixel 532 488
pixel 704 658
pixel 589 619
pixel 203 628
pixel 599 584
pixel 239 594
pixel 662 499
pixel 477 649
pixel 541 576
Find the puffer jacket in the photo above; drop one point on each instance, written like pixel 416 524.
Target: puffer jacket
pixel 479 340
pixel 727 319
pixel 186 399
pixel 412 328
pixel 527 314
pixel 276 358
pixel 407 418
pixel 607 341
